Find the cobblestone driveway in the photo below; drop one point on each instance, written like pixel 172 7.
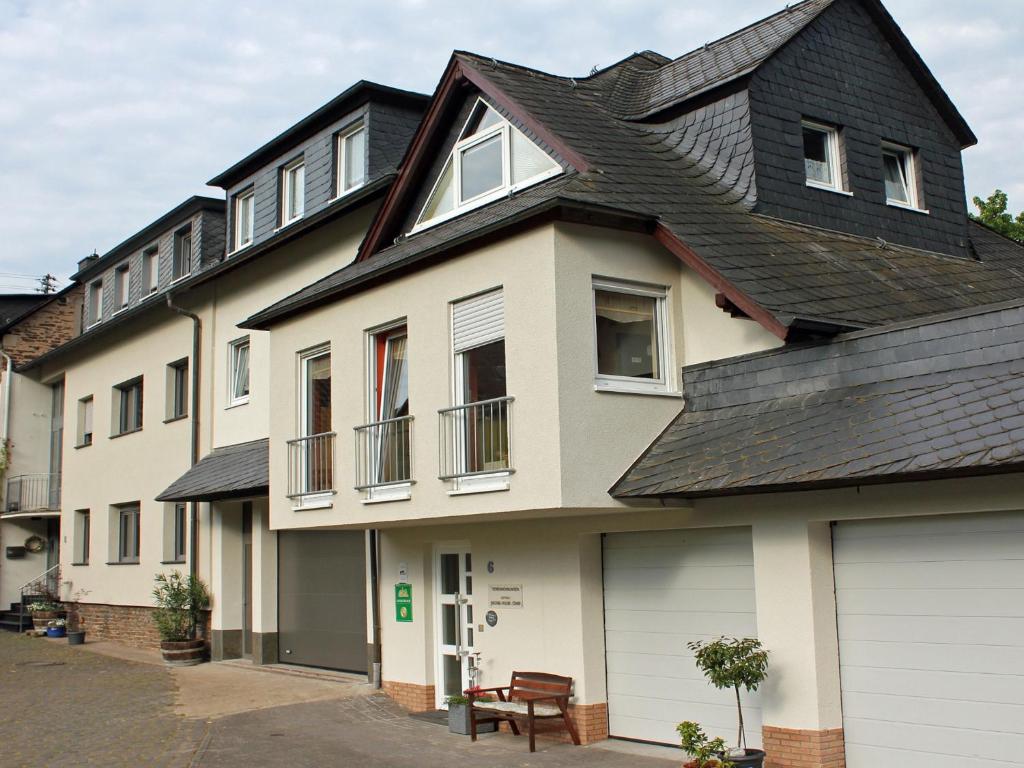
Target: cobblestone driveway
pixel 65 706
pixel 69 706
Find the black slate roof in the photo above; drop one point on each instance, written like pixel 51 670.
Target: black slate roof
pixel 234 471
pixel 939 397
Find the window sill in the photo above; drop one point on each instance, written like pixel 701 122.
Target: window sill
pixel 239 249
pixel 181 277
pixel 287 224
pixel 313 505
pixel 473 485
pixel 173 419
pixel 120 310
pixel 122 434
pixel 85 563
pixel 346 193
pixel 82 445
pixel 381 496
pixel 905 207
pixel 625 389
pixel 827 188
pixel 236 404
pixel 123 562
pixel 172 562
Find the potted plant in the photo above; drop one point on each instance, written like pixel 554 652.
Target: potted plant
pixel 43 612
pixel 458 715
pixel 730 663
pixel 56 628
pixel 76 635
pixel 180 602
pixel 706 753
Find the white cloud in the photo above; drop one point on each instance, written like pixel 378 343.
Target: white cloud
pixel 115 111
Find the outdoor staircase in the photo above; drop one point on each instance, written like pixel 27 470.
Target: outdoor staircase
pixel 13 621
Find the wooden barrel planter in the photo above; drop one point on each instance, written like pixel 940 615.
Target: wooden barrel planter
pixel 41 619
pixel 186 653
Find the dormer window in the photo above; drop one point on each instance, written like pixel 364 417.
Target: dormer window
pixel 244 218
pixel 95 308
pixel 899 167
pixel 122 278
pixel 492 158
pixel 351 159
pixel 821 156
pixel 293 191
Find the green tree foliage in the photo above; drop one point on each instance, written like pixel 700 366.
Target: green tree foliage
pixel 993 213
pixel 180 601
pixel 732 663
pixel 706 753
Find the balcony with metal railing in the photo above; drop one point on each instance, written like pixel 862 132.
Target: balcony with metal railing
pixel 476 439
pixel 311 466
pixel 384 456
pixel 39 492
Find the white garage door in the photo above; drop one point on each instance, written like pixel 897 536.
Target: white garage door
pixel 931 641
pixel 661 590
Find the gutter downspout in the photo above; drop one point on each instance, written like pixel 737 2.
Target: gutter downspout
pixel 197 335
pixel 375 661
pixel 8 372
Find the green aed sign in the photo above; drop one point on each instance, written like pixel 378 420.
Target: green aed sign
pixel 403 602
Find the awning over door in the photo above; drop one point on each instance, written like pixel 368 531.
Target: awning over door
pixel 231 472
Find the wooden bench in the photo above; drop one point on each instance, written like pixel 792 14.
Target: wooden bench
pixel 530 696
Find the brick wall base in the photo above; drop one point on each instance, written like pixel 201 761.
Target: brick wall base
pixel 125 624
pixel 591 721
pixel 794 748
pixel 410 696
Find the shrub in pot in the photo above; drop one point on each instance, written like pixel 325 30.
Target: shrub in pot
pixel 732 663
pixel 458 716
pixel 180 602
pixel 706 753
pixel 56 628
pixel 43 612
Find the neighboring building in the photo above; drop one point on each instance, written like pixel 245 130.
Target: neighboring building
pixel 162 376
pixel 510 338
pixel 31 436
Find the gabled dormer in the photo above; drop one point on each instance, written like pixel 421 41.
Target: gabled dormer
pixel 491 158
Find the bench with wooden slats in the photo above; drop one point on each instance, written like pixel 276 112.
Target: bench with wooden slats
pixel 529 696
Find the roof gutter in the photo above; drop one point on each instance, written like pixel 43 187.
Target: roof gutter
pixel 197 337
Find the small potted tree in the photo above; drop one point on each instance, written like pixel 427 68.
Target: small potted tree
pixel 180 602
pixel 730 663
pixel 706 753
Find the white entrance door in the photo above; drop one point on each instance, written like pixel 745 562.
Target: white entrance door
pixel 663 589
pixel 931 640
pixel 454 580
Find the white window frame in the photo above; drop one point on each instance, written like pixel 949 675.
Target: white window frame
pixel 907 158
pixel 286 198
pixel 834 156
pixel 503 128
pixel 95 306
pixel 151 270
pixel 250 230
pixel 179 237
pixel 339 148
pixel 397 491
pixel 122 287
pixel 125 553
pixel 234 347
pixel 86 417
pixel 664 385
pixel 82 535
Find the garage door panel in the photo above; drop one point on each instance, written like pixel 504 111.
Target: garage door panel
pixel 684 577
pixel 934 602
pixel 663 590
pixel 999 574
pixel 728 600
pixel 991 660
pixel 998 688
pixel 972 546
pixel 942 630
pixel 931 640
pixel 680 622
pixel 933 741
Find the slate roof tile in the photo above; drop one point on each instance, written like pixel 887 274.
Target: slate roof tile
pixel 228 472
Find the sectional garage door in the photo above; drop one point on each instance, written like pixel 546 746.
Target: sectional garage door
pixel 322 599
pixel 661 590
pixel 931 641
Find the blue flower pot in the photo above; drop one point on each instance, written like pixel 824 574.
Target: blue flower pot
pixel 55 631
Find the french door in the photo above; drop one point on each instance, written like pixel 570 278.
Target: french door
pixel 455 660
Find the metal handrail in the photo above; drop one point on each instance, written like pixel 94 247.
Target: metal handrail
pixel 475 438
pixel 311 465
pixel 384 453
pixel 50 576
pixel 33 492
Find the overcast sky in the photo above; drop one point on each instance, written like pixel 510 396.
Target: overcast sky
pixel 114 111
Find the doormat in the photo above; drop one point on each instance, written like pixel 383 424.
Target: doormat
pixel 436 716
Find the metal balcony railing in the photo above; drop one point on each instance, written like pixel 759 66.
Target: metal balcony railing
pixel 311 465
pixel 384 453
pixel 33 493
pixel 475 439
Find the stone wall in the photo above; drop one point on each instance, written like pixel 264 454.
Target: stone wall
pixel 49 326
pixel 125 624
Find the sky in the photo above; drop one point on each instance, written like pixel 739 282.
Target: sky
pixel 114 111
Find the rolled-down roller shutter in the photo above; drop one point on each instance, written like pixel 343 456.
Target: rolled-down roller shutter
pixel 478 321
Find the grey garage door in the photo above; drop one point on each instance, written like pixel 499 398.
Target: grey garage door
pixel 322 599
pixel 931 641
pixel 661 590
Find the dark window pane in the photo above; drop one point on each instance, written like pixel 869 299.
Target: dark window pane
pixel 895 179
pixel 449 574
pixel 627 335
pixel 817 162
pixel 449 633
pixel 484 372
